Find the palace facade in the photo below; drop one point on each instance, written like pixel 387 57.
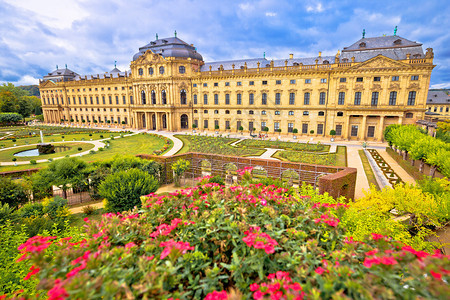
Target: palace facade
pixel 358 92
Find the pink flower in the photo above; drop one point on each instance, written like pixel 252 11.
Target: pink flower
pixel 376 236
pixel 183 247
pixel 254 287
pixel 436 275
pixel 130 245
pixel 320 270
pixel 217 296
pixel 33 270
pixel 57 292
pixel 325 218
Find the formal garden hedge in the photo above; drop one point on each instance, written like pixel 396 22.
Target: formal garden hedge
pixel 420 146
pixel 285 145
pixel 215 145
pixel 248 241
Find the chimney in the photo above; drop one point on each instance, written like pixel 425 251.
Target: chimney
pixel 291 56
pixel 408 55
pixel 320 53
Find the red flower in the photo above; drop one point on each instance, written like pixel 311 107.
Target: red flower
pixel 33 270
pixel 320 270
pixel 436 275
pixel 57 292
pixel 376 236
pixel 183 247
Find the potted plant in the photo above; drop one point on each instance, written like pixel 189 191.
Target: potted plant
pixel 311 131
pixel 123 124
pixel 241 129
pixel 193 127
pixel 294 132
pixel 332 133
pixel 228 128
pixel 217 129
pixel 279 131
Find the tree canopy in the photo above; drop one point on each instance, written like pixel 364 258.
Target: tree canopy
pixel 17 100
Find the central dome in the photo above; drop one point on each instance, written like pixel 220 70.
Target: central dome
pixel 170 47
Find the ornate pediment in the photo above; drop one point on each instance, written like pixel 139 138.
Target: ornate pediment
pixel 149 58
pixel 380 62
pixel 47 84
pixel 394 86
pixel 414 86
pixel 342 87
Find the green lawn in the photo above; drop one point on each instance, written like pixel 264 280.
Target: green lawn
pixel 284 145
pixel 368 169
pixel 7 155
pixel 136 144
pixel 327 159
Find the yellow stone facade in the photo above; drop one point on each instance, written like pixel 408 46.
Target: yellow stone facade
pixel 173 93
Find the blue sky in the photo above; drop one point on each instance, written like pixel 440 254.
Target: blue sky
pixel 89 35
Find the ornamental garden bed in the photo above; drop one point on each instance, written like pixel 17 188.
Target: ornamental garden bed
pixel 285 145
pixel 328 159
pixel 388 172
pixel 243 242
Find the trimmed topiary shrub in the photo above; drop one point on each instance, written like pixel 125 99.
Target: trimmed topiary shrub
pixel 122 190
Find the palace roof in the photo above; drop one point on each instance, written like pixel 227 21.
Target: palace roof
pixel 170 47
pixel 438 97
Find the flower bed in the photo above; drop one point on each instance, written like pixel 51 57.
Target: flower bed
pixel 216 145
pixel 285 145
pixel 241 242
pixel 326 159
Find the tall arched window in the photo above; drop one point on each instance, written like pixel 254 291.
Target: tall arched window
pixel 183 96
pixel 164 97
pixel 150 71
pixel 141 71
pixel 153 97
pixel 161 70
pixel 143 100
pixel 184 121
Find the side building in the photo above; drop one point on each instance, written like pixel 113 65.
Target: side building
pixel 358 92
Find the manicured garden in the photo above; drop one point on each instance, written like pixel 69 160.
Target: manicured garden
pixel 215 145
pixel 249 241
pixel 309 147
pixel 328 159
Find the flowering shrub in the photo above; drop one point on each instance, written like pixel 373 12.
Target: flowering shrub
pixel 240 242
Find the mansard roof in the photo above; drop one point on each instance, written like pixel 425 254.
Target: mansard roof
pixel 438 97
pixel 381 42
pixel 170 47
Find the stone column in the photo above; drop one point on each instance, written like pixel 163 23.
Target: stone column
pixel 362 132
pixel 400 120
pixel 345 128
pixel 148 120
pixel 380 130
pixel 157 119
pixel 169 121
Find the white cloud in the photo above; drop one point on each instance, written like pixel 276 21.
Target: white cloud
pixel 441 86
pixel 315 8
pixel 27 80
pixel 271 14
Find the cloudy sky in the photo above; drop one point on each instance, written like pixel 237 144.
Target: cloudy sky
pixel 89 35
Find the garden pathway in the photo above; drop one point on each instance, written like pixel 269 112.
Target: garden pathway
pixel 177 143
pixel 354 161
pixel 396 167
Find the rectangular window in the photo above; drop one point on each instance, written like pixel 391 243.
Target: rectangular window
pixel 276 126
pixel 205 85
pixel 239 99
pixel 354 131
pixel 216 99
pixel 227 99
pixel 194 85
pixel 251 83
pixel 85 100
pixel 341 99
pixel 323 80
pixel 205 99
pixel 216 124
pixel 338 130
pixel 227 84
pixel 292 81
pixel 117 99
pixel 238 125
pixel 278 82
pixel 392 98
pixel 411 98
pixel 195 99
pixel 291 98
pixel 118 120
pixel 371 131
pixel 264 82
pixel 79 100
pixel 239 83
pixel 103 99
pixel 205 124
pixel 290 127
pixel 357 98
pixel 305 128
pixel 126 120
pixel 110 100
pixel 319 128
pixel 395 78
pixel 377 78
pixel 359 79
pixel 277 99
pixel 374 99
pixel 251 99
pixel 264 99
pixel 307 80
pixel 216 84
pixel 91 100
pixel 306 99
pixel 263 125
pixel 322 97
pixel 343 79
pixel 250 126
pixel 124 99
pixel 131 100
pixel 68 100
pixel 415 77
pixel 227 124
pixel 96 100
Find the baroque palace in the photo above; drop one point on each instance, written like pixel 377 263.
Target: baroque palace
pixel 358 92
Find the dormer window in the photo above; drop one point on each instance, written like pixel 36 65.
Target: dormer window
pixel 397 42
pixel 295 64
pixel 164 41
pixel 362 45
pixel 417 56
pixel 345 60
pixel 153 43
pixel 326 62
pixel 267 65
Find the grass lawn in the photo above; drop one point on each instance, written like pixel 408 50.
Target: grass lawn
pixel 136 144
pixel 339 159
pixel 7 155
pixel 368 169
pixel 215 145
pixel 77 220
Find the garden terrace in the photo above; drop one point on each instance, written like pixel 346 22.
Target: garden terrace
pixel 203 164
